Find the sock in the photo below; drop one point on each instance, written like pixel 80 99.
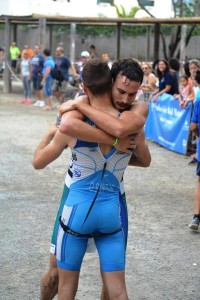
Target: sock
pixel 197 216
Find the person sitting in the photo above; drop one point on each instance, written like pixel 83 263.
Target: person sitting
pixel 167 82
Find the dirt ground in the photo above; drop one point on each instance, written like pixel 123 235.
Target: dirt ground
pixel 162 255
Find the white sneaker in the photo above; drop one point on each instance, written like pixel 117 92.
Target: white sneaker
pixel 42 103
pixel 37 103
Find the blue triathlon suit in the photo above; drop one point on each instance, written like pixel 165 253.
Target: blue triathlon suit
pixel 93 175
pixel 196 119
pixel 123 212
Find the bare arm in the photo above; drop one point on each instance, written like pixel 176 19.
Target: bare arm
pixel 194 128
pixel 129 122
pixel 50 147
pixel 73 125
pixel 141 156
pixel 165 90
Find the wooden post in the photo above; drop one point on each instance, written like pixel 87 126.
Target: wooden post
pixel 6 75
pixel 156 41
pixel 72 41
pixel 51 39
pixel 118 39
pixel 42 34
pixel 148 42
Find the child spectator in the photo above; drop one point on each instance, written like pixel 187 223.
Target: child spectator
pixel 186 94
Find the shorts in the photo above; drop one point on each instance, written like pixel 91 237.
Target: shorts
pixel 104 217
pixel 57 223
pixel 123 214
pixel 37 83
pixel 60 87
pixel 48 87
pixel 14 63
pixel 198 168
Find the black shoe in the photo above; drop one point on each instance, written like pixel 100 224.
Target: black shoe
pixel 193 161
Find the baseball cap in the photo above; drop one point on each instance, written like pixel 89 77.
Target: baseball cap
pixel 85 54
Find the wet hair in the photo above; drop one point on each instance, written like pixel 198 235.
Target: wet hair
pixel 127 67
pixel 197 76
pixel 47 52
pixel 159 73
pixel 97 76
pixel 174 64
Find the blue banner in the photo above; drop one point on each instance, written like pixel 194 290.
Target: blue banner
pixel 168 124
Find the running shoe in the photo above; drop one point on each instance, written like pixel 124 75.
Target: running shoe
pixel 194 225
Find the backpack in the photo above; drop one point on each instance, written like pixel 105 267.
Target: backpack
pixel 56 74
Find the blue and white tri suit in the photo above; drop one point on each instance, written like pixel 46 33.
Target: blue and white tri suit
pixel 90 172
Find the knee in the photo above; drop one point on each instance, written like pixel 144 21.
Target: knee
pixel 54 276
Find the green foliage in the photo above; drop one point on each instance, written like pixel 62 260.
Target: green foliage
pixel 122 13
pixel 96 30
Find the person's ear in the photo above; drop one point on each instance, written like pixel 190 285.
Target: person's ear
pixel 85 89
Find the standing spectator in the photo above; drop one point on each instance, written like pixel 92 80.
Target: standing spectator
pixel 47 80
pixel 149 81
pixel 85 56
pixel 63 64
pixel 195 128
pixel 27 49
pixel 14 55
pixel 194 66
pixel 93 53
pixel 37 63
pixel 106 57
pixel 26 78
pixel 2 60
pixel 167 83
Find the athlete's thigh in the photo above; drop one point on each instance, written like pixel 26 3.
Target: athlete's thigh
pixel 56 224
pixel 124 216
pixel 111 250
pixel 70 251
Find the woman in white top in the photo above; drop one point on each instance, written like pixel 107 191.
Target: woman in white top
pixel 26 78
pixel 149 81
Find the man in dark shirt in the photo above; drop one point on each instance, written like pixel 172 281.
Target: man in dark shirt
pixel 63 64
pixel 36 66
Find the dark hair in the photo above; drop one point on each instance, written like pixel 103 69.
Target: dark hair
pixel 174 64
pixel 184 76
pixel 97 76
pixel 92 47
pixel 47 52
pixel 197 76
pixel 159 73
pixel 186 68
pixel 127 67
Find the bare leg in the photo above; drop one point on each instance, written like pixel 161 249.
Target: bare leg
pixel 68 284
pixel 197 197
pixel 49 281
pixel 115 285
pixel 104 292
pixel 39 94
